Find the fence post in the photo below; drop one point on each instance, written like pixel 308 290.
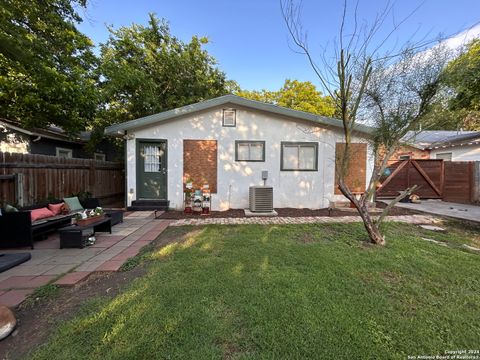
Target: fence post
pixel 19 189
pixel 91 178
pixel 476 182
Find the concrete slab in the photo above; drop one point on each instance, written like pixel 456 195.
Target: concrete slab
pixel 249 213
pixel 437 207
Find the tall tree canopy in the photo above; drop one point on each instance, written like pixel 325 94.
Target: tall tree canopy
pixel 296 95
pixel 145 70
pixel 46 65
pixel 463 76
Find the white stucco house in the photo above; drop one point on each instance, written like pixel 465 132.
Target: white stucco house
pixel 227 142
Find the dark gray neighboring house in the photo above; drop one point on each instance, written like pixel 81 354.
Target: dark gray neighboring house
pixel 52 141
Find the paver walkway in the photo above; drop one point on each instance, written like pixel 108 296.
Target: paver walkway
pixel 468 212
pixel 412 219
pixel 49 263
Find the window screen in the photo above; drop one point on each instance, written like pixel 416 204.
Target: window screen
pixel 299 156
pixel 250 151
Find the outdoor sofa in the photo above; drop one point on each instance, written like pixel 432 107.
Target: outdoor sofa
pixel 18 230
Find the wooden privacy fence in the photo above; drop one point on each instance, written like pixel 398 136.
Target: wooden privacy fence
pixel 26 179
pixel 454 181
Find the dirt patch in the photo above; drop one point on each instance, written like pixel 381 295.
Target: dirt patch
pixel 176 215
pixel 283 212
pixel 391 277
pixel 37 319
pixel 305 238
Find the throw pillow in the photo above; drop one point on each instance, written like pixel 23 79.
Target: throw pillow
pixel 10 208
pixel 41 213
pixel 56 209
pixel 65 209
pixel 73 203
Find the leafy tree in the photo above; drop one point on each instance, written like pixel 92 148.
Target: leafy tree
pixel 393 88
pixel 296 95
pixel 463 76
pixel 45 65
pixel 145 70
pixel 270 97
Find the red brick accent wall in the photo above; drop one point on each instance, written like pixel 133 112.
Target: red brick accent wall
pixel 414 153
pixel 411 151
pixel 357 167
pixel 200 163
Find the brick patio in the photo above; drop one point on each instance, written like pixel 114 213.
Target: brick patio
pixel 67 267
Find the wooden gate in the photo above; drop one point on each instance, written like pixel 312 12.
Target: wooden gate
pixel 435 179
pixel 428 175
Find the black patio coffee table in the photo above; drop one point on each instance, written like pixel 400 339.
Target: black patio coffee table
pixel 77 236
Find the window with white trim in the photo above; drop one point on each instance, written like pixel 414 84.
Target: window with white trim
pixel 404 157
pixel 229 117
pixel 64 153
pixel 99 156
pixel 301 156
pixel 249 150
pixel 447 156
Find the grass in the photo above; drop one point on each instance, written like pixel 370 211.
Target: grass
pixel 43 292
pixel 291 292
pixel 136 260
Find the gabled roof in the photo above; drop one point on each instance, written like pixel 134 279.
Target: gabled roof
pixel 119 128
pixel 431 139
pixel 51 132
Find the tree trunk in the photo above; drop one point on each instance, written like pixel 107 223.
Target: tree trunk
pixel 372 228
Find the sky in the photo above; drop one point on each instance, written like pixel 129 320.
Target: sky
pixel 250 41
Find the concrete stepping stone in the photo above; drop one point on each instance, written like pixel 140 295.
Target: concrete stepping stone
pixel 470 247
pixel 434 241
pixel 432 227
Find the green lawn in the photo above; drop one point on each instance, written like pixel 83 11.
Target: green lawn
pixel 290 292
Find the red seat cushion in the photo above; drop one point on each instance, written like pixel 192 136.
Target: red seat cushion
pixel 56 209
pixel 41 213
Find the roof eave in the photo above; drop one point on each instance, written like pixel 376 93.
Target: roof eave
pixel 118 129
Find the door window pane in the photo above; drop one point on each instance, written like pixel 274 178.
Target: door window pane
pixel 152 155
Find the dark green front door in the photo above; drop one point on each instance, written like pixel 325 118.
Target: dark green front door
pixel 152 169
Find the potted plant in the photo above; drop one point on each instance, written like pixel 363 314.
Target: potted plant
pixel 88 217
pixel 188 201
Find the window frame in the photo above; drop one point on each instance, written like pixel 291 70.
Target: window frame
pixel 234 118
pixel 444 153
pixel 59 149
pixel 104 157
pixel 299 144
pixel 238 142
pixel 405 156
